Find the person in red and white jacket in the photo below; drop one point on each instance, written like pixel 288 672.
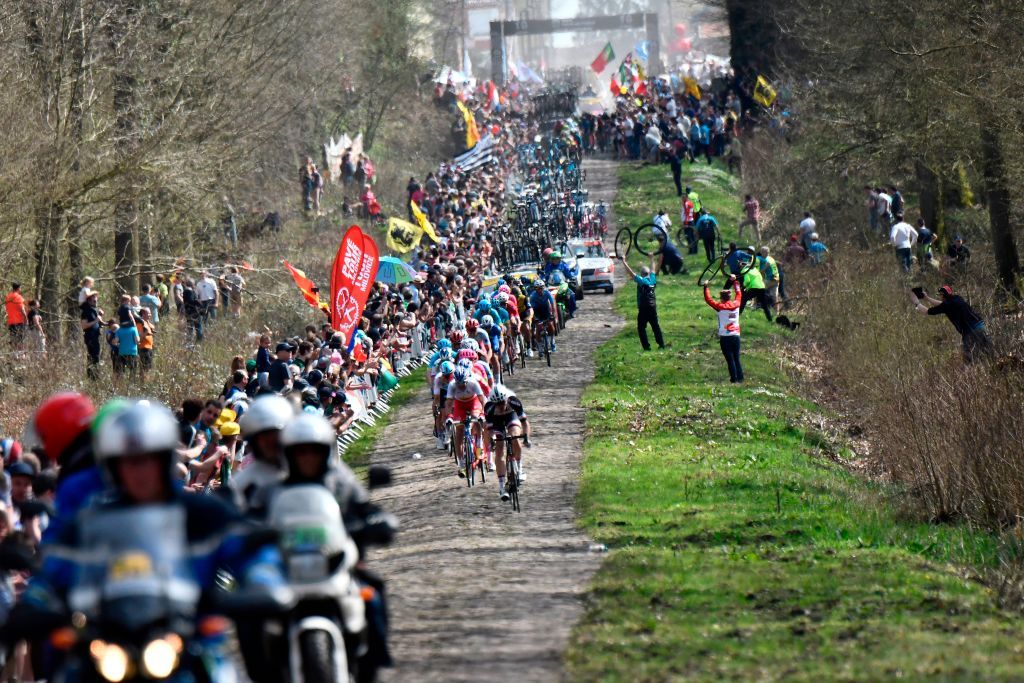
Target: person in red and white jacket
pixel 728 310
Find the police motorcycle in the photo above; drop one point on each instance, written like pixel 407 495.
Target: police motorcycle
pixel 326 635
pixel 128 591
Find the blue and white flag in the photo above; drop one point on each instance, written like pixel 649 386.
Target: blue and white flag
pixel 641 49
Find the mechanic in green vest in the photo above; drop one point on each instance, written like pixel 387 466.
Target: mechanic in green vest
pixel 695 198
pixel 770 272
pixel 753 285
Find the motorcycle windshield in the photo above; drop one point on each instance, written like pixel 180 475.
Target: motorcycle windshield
pixel 309 520
pixel 134 568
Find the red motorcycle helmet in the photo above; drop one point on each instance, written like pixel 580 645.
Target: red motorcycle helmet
pixel 58 422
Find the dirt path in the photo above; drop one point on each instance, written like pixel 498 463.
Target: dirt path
pixel 459 610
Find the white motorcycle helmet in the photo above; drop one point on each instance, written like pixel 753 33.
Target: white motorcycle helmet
pixel 309 429
pixel 268 413
pixel 142 429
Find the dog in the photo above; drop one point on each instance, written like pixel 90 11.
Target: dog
pixel 786 322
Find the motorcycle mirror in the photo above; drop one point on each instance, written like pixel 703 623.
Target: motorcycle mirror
pixel 378 476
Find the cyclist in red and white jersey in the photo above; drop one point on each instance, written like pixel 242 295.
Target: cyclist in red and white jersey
pixel 464 398
pixel 439 391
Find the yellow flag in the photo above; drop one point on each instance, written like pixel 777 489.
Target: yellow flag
pixel 764 93
pixel 691 87
pixel 424 224
pixel 402 236
pixel 640 72
pixel 472 134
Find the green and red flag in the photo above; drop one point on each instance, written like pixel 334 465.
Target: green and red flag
pixel 602 60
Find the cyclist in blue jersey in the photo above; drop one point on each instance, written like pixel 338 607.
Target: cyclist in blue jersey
pixel 543 305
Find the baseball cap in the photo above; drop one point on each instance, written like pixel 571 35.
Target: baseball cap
pixel 285 346
pixel 21 469
pixel 250 365
pixel 946 289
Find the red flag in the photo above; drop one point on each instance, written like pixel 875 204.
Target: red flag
pixel 310 292
pixel 616 88
pixel 641 88
pixel 355 266
pixel 601 61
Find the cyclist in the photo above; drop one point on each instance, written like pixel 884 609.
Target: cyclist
pixel 543 305
pixel 494 333
pixel 556 265
pixel 463 399
pixel 439 391
pixel 526 317
pixel 504 416
pixel 480 336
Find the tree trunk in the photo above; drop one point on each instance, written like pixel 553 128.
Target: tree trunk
pixel 122 40
pixel 49 217
pixel 932 210
pixel 997 189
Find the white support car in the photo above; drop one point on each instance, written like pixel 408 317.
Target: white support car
pixel 596 270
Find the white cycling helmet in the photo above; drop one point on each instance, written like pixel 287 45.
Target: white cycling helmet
pixel 487 321
pixel 269 412
pixel 500 393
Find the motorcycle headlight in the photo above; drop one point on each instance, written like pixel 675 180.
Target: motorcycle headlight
pixel 159 658
pixel 111 660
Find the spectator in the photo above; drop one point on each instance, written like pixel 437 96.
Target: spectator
pixel 807 226
pixel 753 210
pixel 772 277
pixel 91 322
pixel 883 208
pixel 229 223
pixel 128 339
pixel 677 171
pixel 925 238
pixel 236 285
pixel 150 301
pixel 707 230
pixel 163 293
pixel 958 253
pixel 794 254
pixel 279 377
pixel 646 305
pixel 895 201
pixel 903 237
pixel 671 260
pixel 688 219
pixel 728 312
pixel 817 251
pixel 965 319
pixel 17 316
pixel 307 181
pixel 753 287
pixel 86 285
pixel 146 332
pixel 872 205
pixel 206 293
pixel 36 334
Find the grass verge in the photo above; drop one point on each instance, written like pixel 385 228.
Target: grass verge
pixel 358 454
pixel 739 549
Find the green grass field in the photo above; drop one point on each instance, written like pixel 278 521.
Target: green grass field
pixel 739 550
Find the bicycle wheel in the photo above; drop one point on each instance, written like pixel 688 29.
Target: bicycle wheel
pixel 623 242
pixel 467 456
pixel 711 271
pixel 512 483
pixel 547 348
pixel 645 241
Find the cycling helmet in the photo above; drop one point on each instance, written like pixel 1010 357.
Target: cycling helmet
pixel 267 413
pixel 447 367
pixel 537 284
pixel 446 354
pixel 500 299
pixel 548 252
pixel 444 344
pixel 141 430
pixel 472 345
pixel 484 305
pixel 500 393
pixel 504 289
pixel 556 279
pixel 457 336
pixel 462 374
pixel 487 321
pixel 57 424
pixel 467 354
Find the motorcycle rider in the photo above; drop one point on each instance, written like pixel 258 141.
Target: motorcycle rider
pixel 261 427
pixel 135 449
pixel 310 449
pixel 556 265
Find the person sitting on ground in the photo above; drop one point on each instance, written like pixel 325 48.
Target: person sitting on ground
pixel 958 253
